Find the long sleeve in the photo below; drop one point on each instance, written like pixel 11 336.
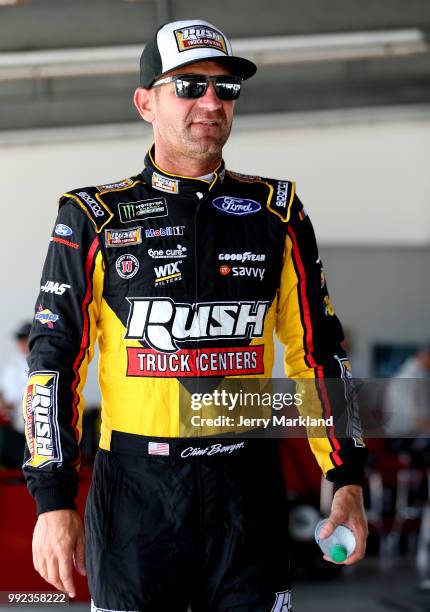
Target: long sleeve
pixel 312 334
pixel 61 345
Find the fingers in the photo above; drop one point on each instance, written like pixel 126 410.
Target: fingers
pixel 79 557
pixel 347 509
pixel 57 572
pixel 360 534
pixel 329 526
pixel 58 538
pixel 66 575
pixel 35 559
pixel 51 574
pixel 360 546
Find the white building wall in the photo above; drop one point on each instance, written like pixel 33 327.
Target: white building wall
pixel 363 178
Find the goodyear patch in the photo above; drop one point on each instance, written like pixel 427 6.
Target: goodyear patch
pixel 200 36
pixel 124 237
pixel 41 419
pixel 164 183
pixel 118 186
pixel 142 209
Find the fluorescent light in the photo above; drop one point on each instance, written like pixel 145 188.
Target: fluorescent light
pixel 332 47
pixel 266 51
pixel 11 2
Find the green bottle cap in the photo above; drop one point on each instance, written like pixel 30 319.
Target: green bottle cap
pixel 338 553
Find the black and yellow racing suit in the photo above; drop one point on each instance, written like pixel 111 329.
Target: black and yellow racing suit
pixel 176 278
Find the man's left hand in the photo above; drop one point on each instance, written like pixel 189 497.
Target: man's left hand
pixel 347 508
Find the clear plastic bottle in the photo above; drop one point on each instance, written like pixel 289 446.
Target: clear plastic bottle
pixel 339 546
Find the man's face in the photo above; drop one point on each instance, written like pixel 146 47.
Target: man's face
pixel 197 128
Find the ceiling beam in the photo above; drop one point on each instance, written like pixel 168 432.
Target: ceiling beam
pixel 270 51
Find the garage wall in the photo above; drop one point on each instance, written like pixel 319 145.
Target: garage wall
pixel 380 296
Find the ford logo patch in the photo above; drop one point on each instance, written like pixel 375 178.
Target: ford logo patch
pixel 63 230
pixel 236 206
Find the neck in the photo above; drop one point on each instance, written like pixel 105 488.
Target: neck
pixel 185 166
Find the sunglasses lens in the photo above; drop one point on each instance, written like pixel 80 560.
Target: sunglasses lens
pixel 195 86
pixel 227 88
pixel 189 87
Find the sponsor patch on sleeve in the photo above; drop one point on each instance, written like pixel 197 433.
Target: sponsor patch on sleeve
pixel 46 317
pixel 93 205
pixel 54 287
pixel 282 199
pixel 68 243
pixel 63 230
pixel 41 419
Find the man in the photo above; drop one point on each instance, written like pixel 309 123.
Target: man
pixel 147 264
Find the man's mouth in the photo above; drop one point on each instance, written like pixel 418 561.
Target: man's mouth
pixel 210 123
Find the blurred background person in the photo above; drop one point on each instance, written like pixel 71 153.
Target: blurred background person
pixel 13 379
pixel 407 400
pixel 407 408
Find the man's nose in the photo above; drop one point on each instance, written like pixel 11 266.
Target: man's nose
pixel 210 100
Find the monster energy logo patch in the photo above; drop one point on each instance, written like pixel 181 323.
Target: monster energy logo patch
pixel 143 209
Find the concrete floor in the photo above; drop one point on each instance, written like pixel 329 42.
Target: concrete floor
pixel 361 588
pixel 364 588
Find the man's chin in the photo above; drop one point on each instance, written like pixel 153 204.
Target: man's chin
pixel 206 140
pixel 205 147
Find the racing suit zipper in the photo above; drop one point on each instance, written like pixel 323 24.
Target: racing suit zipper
pixel 196 275
pixel 198 467
pixel 196 285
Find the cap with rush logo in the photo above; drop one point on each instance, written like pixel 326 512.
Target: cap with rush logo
pixel 180 43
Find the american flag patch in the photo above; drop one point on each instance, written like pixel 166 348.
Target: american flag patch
pixel 158 448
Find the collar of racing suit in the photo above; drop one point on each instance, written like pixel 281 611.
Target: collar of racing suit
pixel 177 184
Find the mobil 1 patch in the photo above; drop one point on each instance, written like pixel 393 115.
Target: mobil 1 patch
pixel 130 212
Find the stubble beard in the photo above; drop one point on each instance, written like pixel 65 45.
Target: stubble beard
pixel 205 146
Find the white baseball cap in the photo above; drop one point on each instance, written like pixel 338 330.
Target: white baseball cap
pixel 181 43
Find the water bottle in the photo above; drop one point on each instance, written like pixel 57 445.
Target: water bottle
pixel 338 546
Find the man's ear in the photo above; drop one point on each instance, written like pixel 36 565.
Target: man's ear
pixel 144 102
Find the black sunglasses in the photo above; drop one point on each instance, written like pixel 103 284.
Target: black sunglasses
pixel 192 86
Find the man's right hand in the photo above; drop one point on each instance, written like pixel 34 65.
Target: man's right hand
pixel 58 544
